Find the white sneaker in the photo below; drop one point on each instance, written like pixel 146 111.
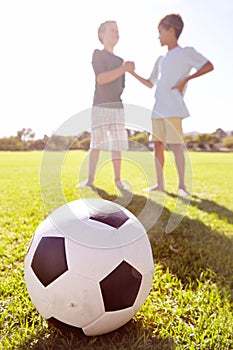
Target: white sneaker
pixel 153 188
pixel 183 193
pixel 122 185
pixel 84 184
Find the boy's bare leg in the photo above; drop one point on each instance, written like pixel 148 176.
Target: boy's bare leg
pixel 116 161
pixel 159 148
pixel 93 160
pixel 180 163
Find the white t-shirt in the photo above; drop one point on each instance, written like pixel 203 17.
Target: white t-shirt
pixel 167 71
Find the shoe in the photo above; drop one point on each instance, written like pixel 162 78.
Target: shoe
pixel 122 185
pixel 183 193
pixel 84 184
pixel 153 188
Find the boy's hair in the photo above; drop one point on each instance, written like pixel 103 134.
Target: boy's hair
pixel 172 21
pixel 102 28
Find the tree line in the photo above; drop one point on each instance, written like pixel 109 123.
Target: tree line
pixel 25 140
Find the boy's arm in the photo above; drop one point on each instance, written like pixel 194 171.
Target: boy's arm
pixel 207 67
pixel 109 76
pixel 142 80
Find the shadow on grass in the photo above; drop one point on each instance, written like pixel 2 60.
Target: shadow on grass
pixel 130 336
pixel 209 206
pixel 192 251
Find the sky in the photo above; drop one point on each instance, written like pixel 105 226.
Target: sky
pixel 46 76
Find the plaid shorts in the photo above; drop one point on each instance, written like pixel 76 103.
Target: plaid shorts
pixel 108 129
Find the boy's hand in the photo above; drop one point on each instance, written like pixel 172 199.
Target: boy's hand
pixel 129 66
pixel 208 67
pixel 180 85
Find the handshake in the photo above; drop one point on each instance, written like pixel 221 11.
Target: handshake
pixel 129 66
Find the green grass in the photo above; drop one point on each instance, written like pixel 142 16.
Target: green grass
pixel 191 303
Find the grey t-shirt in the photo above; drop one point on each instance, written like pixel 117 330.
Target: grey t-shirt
pixel 108 94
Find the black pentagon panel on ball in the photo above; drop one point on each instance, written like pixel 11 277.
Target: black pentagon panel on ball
pixel 49 260
pixel 120 288
pixel 115 219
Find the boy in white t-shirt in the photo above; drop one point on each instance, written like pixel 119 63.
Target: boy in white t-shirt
pixel 171 74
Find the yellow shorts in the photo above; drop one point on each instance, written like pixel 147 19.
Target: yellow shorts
pixel 167 130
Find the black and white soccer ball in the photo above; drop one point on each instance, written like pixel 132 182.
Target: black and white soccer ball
pixel 89 265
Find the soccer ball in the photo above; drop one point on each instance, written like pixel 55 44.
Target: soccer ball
pixel 89 265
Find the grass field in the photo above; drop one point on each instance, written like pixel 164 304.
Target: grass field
pixel 191 303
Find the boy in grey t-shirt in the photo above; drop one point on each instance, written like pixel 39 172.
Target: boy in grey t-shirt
pixel 108 124
pixel 171 74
